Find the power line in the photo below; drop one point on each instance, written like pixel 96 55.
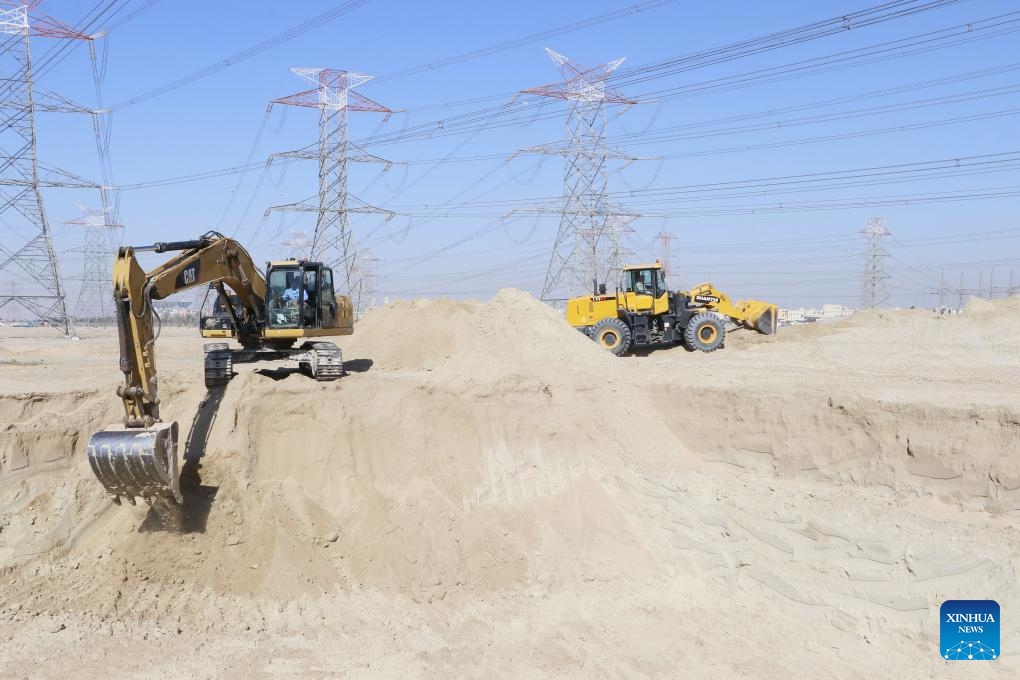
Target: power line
pixel 485 118
pixel 870 16
pixel 245 54
pixel 649 138
pixel 887 173
pixel 645 6
pixel 971 31
pixel 463 122
pixel 86 27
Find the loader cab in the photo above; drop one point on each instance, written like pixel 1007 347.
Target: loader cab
pixel 644 288
pixel 300 295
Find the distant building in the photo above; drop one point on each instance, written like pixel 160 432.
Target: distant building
pixel 835 311
pixel 811 315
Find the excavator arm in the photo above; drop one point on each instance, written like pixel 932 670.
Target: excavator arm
pixel 139 459
pixel 754 314
pixel 211 259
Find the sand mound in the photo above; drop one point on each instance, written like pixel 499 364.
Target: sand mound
pixel 489 466
pixel 876 317
pixel 511 329
pixel 1008 309
pixel 488 491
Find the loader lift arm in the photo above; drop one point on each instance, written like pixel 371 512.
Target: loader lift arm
pixel 753 314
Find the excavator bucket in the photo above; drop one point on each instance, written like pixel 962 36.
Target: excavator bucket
pixel 136 462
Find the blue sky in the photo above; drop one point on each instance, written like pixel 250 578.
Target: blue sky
pixel 950 101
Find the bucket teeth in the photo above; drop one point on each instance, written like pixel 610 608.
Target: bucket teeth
pixel 134 463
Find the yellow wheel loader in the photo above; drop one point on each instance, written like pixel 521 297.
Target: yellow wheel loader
pixel 267 315
pixel 645 313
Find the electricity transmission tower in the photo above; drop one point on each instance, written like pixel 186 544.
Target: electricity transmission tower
pixel 665 239
pixel 589 241
pixel 333 96
pixel 95 299
pixel 28 261
pixel 367 275
pixel 874 292
pixel 298 244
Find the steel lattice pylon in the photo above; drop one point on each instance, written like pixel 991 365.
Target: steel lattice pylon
pixel 28 262
pixel 95 299
pixel 333 96
pixel 874 293
pixel 33 263
pixel 589 242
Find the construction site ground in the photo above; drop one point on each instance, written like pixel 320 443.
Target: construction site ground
pixel 488 494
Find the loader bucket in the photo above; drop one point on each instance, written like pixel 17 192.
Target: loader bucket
pixel 766 322
pixel 136 462
pixel 760 316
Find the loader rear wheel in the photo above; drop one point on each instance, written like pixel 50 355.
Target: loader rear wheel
pixel 613 334
pixel 705 332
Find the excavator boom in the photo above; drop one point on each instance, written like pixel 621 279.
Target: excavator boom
pixel 139 457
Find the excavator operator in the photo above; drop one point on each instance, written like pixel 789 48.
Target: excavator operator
pixel 293 294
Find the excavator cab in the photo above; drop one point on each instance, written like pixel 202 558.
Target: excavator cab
pixel 300 296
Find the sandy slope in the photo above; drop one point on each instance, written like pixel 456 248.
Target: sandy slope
pixel 487 494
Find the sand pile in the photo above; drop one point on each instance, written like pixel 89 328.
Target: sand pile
pixel 495 464
pixel 511 329
pixel 489 493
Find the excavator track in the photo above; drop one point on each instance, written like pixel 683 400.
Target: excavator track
pixel 219 364
pixel 325 361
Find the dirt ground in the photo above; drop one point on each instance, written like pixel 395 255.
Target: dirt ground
pixel 488 494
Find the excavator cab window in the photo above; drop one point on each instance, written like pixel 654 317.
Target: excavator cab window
pixel 310 301
pixel 284 298
pixel 327 299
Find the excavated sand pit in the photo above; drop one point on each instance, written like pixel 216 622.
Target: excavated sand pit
pixel 488 494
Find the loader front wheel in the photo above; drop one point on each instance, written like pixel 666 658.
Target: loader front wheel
pixel 705 332
pixel 613 334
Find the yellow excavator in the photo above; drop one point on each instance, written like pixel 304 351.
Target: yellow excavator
pixel 645 313
pixel 267 315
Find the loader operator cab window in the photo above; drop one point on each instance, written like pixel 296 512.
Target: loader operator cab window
pixel 641 281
